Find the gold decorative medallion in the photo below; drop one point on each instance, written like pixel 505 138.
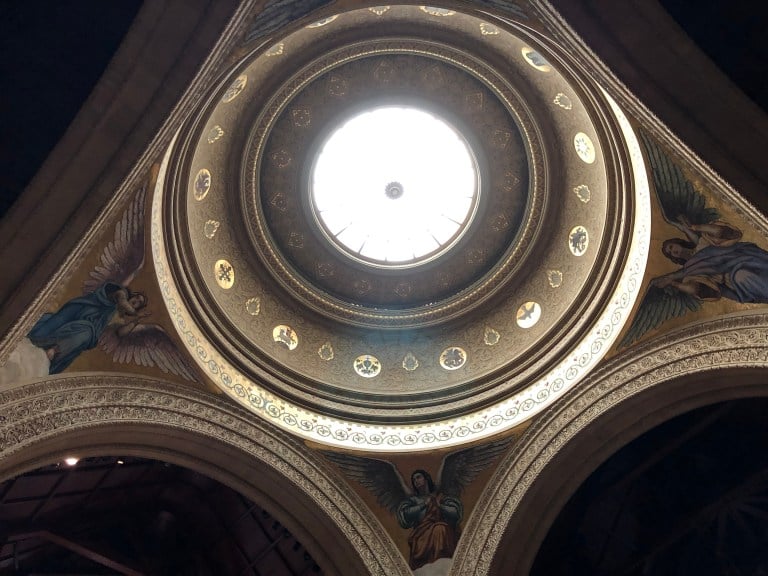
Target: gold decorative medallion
pixel 488 29
pixel 326 269
pixel 301 117
pixel 337 86
pixel 224 274
pixel 563 101
pixel 535 59
pixel 235 88
pixel 281 158
pixel 362 286
pixel 583 192
pixel 555 278
pixel 491 337
pixel 475 256
pixel 584 147
pixel 325 352
pixel 578 240
pixel 286 336
pixel 501 138
pixel 379 10
pixel 511 181
pixel 276 50
pixel 279 201
pixel 323 22
pixel 433 77
pixel 453 358
pixel 528 314
pixel 500 223
pixel 202 184
pixel 296 240
pixel 385 72
pixel 474 102
pixel 367 366
pixel 403 289
pixel 433 11
pixel 410 362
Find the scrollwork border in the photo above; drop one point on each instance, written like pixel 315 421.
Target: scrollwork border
pixel 631 394
pixel 97 414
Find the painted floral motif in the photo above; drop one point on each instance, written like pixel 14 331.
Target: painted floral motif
pixel 325 352
pixel 410 362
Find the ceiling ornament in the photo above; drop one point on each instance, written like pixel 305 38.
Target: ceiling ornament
pixel 473 339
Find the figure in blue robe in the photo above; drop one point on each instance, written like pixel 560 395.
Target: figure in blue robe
pixel 738 271
pixel 78 324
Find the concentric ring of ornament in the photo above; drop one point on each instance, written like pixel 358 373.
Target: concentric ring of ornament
pixel 294 411
pixel 500 235
pixel 333 381
pixel 470 427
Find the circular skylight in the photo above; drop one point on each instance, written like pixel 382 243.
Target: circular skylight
pixel 394 187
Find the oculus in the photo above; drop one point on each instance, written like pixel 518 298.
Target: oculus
pixel 394 187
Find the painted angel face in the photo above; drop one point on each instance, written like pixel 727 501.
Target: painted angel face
pixel 676 250
pixel 137 301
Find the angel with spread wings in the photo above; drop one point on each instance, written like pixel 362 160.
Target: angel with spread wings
pixel 109 314
pixel 714 262
pixel 433 511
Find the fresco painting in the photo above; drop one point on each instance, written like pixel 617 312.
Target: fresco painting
pixel 712 261
pixel 109 316
pixel 429 507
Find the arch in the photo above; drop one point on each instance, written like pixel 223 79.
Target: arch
pixel 699 365
pixel 101 414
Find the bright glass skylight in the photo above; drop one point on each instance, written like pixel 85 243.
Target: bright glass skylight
pixel 394 187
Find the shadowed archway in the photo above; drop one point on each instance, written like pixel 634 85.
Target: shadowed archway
pixel 106 414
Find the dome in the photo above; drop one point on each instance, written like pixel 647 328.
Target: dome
pixel 401 227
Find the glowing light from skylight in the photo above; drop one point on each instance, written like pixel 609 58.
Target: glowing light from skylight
pixel 394 187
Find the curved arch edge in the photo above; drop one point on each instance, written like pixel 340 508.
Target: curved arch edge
pixel 94 413
pixel 631 394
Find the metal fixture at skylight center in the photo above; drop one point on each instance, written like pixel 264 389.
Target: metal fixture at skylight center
pixel 394 187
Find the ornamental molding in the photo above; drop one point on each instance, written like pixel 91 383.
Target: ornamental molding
pixel 679 372
pixel 38 422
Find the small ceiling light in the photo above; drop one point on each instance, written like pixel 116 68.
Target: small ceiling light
pixel 120 462
pixel 71 461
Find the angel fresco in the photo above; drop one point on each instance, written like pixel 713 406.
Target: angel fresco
pixel 714 262
pixel 110 314
pixel 432 511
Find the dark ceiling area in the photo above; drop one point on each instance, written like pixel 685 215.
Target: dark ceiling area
pixel 732 34
pixel 688 497
pixel 53 53
pixel 132 516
